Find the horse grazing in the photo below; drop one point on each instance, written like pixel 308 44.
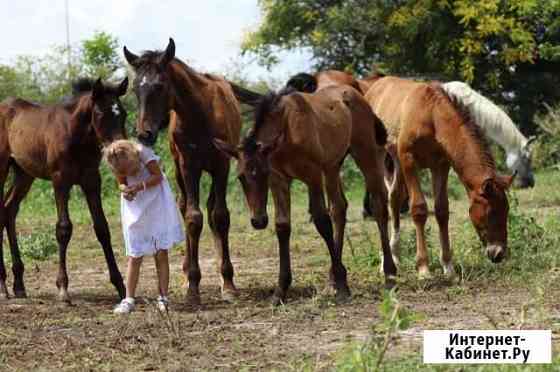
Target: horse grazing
pixel 306 137
pixel 198 108
pixel 499 127
pixel 495 125
pixel 60 143
pixel 432 130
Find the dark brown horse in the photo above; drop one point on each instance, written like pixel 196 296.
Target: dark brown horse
pixel 202 107
pixel 60 143
pixel 430 130
pixel 306 137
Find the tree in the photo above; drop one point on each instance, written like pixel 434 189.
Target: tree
pixel 508 49
pixel 99 55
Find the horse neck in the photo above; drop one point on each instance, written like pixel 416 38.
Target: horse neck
pixel 80 119
pixel 469 155
pixel 186 97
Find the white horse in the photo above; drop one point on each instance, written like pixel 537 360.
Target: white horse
pixel 499 127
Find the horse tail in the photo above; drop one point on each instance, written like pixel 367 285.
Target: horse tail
pixel 303 82
pixel 245 95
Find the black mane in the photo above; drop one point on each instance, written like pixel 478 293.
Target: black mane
pixel 266 104
pixel 80 87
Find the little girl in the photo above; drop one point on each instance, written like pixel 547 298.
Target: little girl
pixel 151 222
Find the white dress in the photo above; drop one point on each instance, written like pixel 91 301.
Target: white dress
pixel 151 221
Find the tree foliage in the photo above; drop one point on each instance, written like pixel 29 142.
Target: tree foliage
pixel 46 78
pixel 508 49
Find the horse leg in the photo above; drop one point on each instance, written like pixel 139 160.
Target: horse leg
pixel 441 207
pixel 366 205
pixel 396 199
pixel 280 188
pixel 92 190
pixel 323 224
pixel 180 183
pixel 22 184
pixel 218 219
pixel 63 235
pixel 193 224
pixel 3 220
pixel 338 207
pixel 372 167
pixel 418 210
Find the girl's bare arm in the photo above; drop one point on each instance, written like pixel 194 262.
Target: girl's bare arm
pixel 155 177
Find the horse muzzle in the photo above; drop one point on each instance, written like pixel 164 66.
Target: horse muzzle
pixel 495 252
pixel 260 222
pixel 147 138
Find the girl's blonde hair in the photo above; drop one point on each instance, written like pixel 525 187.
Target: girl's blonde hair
pixel 123 157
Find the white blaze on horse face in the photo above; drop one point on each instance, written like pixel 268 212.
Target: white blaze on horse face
pixel 115 109
pixel 144 81
pixel 511 159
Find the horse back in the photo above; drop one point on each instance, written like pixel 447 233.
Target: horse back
pixel 403 106
pixel 319 124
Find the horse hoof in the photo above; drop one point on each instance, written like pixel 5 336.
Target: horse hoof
pixel 343 294
pixel 193 298
pixel 20 294
pixel 390 283
pixel 277 300
pixel 229 295
pixel 4 296
pixel 424 274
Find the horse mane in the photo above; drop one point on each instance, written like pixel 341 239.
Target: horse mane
pixel 266 104
pixel 474 131
pixel 303 82
pixel 80 87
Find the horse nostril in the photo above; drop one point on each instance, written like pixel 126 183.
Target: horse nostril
pixel 496 253
pixel 259 223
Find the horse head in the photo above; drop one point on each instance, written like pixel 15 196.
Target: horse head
pixel 152 87
pixel 489 213
pixel 253 170
pixel 520 162
pixel 108 115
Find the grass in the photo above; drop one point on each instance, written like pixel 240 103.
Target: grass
pixel 310 332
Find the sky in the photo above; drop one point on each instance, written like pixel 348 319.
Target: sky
pixel 207 33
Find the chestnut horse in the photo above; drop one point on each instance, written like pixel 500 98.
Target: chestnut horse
pixel 60 143
pixel 198 107
pixel 306 137
pixel 431 130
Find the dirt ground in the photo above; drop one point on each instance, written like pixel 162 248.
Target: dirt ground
pixel 39 333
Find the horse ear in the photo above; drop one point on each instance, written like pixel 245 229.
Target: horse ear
pixel 98 89
pixel 169 53
pixel 122 88
pixel 272 146
pixel 530 141
pixel 225 148
pixel 130 57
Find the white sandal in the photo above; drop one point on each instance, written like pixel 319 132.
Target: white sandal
pixel 126 306
pixel 163 304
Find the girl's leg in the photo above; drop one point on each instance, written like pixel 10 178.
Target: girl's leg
pixel 162 267
pixel 132 275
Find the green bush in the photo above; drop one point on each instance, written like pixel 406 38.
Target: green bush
pixel 38 245
pixel 546 150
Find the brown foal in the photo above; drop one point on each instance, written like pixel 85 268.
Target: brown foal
pixel 306 137
pixel 60 143
pixel 432 131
